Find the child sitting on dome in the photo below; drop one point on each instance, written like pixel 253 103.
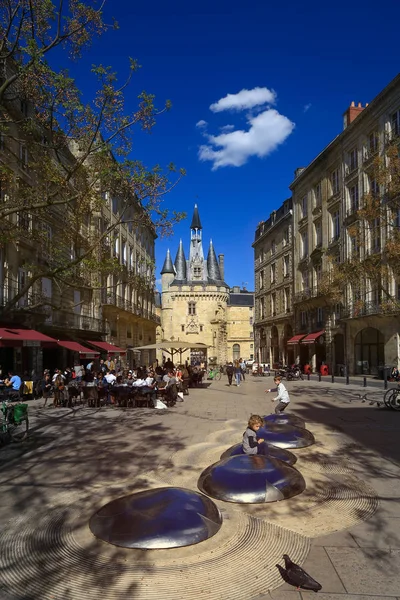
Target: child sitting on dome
pixel 251 445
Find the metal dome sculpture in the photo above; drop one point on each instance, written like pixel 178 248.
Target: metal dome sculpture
pixel 273 452
pixel 285 436
pixel 251 480
pixel 285 419
pixel 160 518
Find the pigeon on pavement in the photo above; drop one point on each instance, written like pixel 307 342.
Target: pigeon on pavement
pixel 296 576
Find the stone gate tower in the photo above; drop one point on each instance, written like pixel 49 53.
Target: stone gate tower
pixel 194 297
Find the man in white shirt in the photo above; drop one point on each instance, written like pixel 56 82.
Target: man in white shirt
pixel 57 373
pixel 110 378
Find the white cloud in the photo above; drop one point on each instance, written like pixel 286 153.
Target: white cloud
pixel 226 128
pixel 265 133
pixel 245 99
pixel 201 124
pixel 307 107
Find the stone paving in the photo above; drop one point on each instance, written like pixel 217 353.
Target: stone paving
pixel 344 529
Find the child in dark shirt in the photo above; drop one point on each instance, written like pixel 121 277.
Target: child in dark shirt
pixel 251 445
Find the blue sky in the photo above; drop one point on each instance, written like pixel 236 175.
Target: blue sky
pixel 309 59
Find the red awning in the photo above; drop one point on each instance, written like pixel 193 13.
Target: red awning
pixel 311 338
pixel 106 347
pixel 76 347
pixel 23 335
pixel 296 339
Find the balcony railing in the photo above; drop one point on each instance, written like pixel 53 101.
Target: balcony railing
pixel 113 299
pixel 312 292
pixel 69 320
pixel 362 309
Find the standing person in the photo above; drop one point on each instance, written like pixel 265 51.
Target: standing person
pixel 229 372
pixel 283 395
pixel 251 445
pixel 78 372
pixel 110 364
pixel 47 388
pixel 243 368
pixel 59 387
pixel 238 372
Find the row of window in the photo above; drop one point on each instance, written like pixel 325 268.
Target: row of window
pixel 273 272
pixel 273 249
pixel 352 198
pixel 352 163
pixel 372 238
pixel 273 303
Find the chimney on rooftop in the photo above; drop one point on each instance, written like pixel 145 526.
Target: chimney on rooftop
pixel 221 260
pixel 351 113
pixel 298 171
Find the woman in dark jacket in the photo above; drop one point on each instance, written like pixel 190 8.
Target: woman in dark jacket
pixel 47 388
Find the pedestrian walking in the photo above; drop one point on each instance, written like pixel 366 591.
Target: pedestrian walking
pixel 238 372
pixel 229 372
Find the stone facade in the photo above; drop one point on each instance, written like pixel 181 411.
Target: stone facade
pixel 359 332
pixel 121 312
pixel 273 290
pixel 197 304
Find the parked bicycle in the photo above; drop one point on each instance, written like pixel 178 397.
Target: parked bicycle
pixel 15 423
pixel 214 373
pixel 392 398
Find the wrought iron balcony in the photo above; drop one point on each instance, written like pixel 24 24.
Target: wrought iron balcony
pixel 362 309
pixel 70 320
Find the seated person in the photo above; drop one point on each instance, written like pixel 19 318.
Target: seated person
pixel 14 382
pixel 110 377
pixel 146 386
pixel 170 378
pixel 251 445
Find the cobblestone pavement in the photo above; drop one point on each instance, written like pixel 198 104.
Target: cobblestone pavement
pixel 344 529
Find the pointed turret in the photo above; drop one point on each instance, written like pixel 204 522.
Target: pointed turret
pixel 212 264
pixel 168 267
pixel 180 263
pixel 196 223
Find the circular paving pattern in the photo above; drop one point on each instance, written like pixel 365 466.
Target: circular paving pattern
pixel 330 502
pixel 273 452
pixel 53 555
pixel 251 479
pixel 166 517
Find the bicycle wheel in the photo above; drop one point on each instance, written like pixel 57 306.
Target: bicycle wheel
pixel 388 396
pixel 19 431
pixel 395 400
pixel 217 376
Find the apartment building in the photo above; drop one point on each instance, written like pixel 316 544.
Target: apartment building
pixel 273 325
pixel 94 314
pixel 361 327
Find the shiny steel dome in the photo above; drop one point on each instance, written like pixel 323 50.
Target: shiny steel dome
pixel 160 518
pixel 273 452
pixel 251 479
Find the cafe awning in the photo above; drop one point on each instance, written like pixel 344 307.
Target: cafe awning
pixel 296 339
pixel 23 337
pixel 311 338
pixel 77 347
pixel 106 347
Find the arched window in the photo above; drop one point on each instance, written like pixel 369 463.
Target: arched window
pixel 236 351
